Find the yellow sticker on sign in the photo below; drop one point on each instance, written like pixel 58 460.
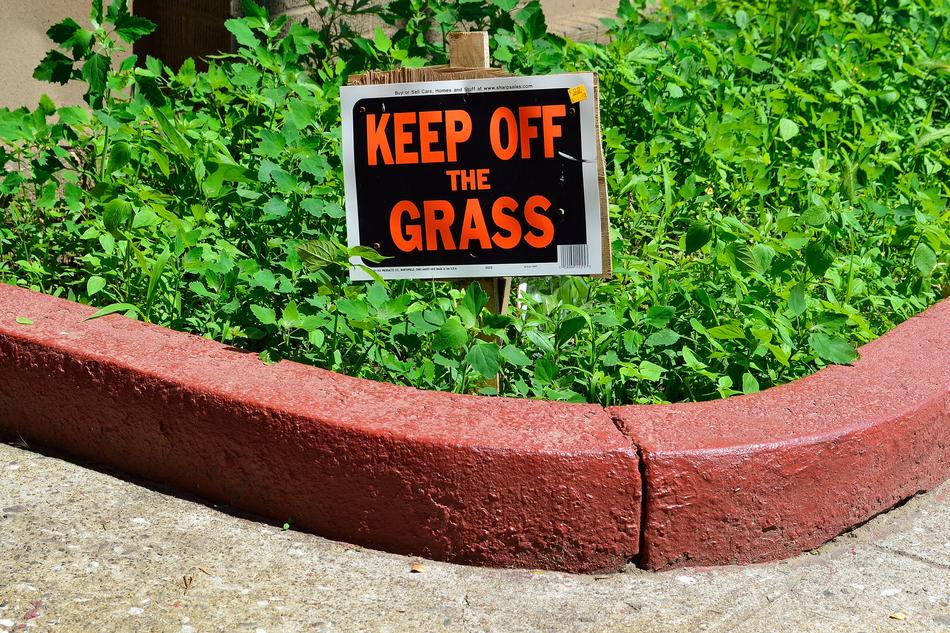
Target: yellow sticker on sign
pixel 577 93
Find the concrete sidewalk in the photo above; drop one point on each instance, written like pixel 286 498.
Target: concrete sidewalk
pixel 81 550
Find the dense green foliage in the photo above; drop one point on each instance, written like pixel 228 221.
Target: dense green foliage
pixel 777 171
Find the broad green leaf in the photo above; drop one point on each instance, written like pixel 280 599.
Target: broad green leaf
pixel 132 28
pixel 144 218
pixel 442 361
pixel 788 129
pixel 691 360
pixel 924 259
pixel 96 14
pixel 116 215
pixel 95 72
pixel 515 356
pixel 117 8
pixel 452 335
pixel 24 320
pixel 796 299
pixel 645 55
pixel 265 316
pixel 354 309
pixel 833 349
pixel 316 207
pixel 545 370
pixel 780 353
pixel 94 284
pixel 119 156
pixel 762 256
pixel 473 302
pixel 427 322
pixel 81 43
pixel 731 330
pixel 74 198
pixel 253 9
pixel 483 357
pixel 188 72
pixel 381 40
pixel 396 306
pixel 276 207
pixel 317 338
pixel 63 31
pixel 316 254
pixel 74 115
pixel 302 113
pixel 242 33
pixel 366 253
pixel 540 340
pixel 286 182
pixel 818 258
pixel 815 216
pixel 569 328
pixel 697 235
pixel 290 315
pixel 659 316
pixel 749 383
pixel 753 63
pixel 264 278
pixel 54 68
pixel 662 338
pixel 650 371
pixel 317 166
pixel 376 295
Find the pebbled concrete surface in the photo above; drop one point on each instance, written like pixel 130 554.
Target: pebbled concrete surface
pixel 81 550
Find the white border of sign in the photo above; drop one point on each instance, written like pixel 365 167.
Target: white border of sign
pixel 350 95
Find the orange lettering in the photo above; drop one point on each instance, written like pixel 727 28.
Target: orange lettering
pixel 506 151
pixel 376 139
pixel 551 129
pixel 428 136
pixel 403 138
pixel 439 226
pixel 505 222
pixel 473 226
pixel 458 128
pixel 411 239
pixel 528 131
pixel 538 221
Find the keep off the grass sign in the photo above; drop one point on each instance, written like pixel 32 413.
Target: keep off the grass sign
pixel 475 178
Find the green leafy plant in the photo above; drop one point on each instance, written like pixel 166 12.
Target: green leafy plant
pixel 777 174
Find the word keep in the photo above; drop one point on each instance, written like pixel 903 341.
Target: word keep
pixel 433 136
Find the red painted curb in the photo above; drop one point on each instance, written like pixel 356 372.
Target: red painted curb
pixel 494 481
pixel 766 476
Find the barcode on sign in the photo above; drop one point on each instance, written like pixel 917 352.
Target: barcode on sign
pixel 572 256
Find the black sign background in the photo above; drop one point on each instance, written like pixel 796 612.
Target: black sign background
pixel 559 179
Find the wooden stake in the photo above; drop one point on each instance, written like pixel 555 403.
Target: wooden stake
pixel 469 50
